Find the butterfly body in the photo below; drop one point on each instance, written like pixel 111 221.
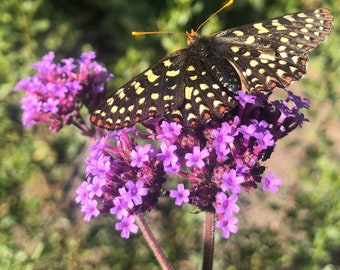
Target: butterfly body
pixel 197 83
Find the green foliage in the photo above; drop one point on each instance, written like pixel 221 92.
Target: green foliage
pixel 40 225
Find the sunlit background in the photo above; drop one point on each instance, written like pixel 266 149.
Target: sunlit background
pixel 41 226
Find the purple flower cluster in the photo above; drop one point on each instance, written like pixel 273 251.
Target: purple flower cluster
pixel 128 170
pixel 58 91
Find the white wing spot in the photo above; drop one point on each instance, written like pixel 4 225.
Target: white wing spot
pixel 188 92
pixel 250 40
pixel 253 63
pixel 154 96
pixel 238 33
pixel 131 107
pixel 151 76
pixel 204 86
pixel 289 18
pixel 261 29
pixel 113 109
pixel 167 63
pixel 172 73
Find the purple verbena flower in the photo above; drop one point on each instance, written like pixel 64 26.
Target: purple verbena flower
pixel 223 135
pixel 82 192
pixel 298 102
pixel 120 208
pixel 140 155
pixel 127 226
pixel 136 191
pixel 168 155
pixel 226 205
pixel 271 183
pixel 248 131
pixel 58 90
pixel 90 209
pixel 228 225
pixel 244 98
pixel 264 139
pixel 95 187
pixel 232 181
pixel 181 194
pixel 170 131
pixel 196 157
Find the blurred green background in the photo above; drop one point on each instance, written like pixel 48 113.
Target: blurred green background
pixel 41 226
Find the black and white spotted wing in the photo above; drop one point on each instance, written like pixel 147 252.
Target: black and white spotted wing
pixel 199 82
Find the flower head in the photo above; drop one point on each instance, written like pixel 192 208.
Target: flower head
pixel 58 90
pixel 212 164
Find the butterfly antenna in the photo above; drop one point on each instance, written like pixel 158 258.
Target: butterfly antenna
pixel 140 33
pixel 228 4
pixel 136 33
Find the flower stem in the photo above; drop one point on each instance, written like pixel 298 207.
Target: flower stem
pixel 208 245
pixel 153 244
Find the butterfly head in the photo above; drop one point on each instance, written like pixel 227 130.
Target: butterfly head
pixel 191 36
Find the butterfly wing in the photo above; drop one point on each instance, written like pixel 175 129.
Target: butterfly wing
pixel 156 91
pixel 273 53
pixel 184 86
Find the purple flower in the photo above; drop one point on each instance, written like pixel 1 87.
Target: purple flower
pixel 83 195
pixel 248 131
pixel 135 191
pixel 243 98
pixel 265 139
pixel 231 181
pixel 226 205
pixel 58 91
pixel 298 101
pixel 98 165
pixel 167 154
pixel 196 158
pixel 211 164
pixel 90 209
pixel 181 194
pixel 271 183
pixel 223 135
pixel 140 155
pixel 228 225
pixel 87 56
pixel 170 131
pixel 172 168
pixel 126 225
pixel 120 208
pixel 95 188
pixel 50 106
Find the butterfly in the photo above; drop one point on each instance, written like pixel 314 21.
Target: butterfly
pixel 198 83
